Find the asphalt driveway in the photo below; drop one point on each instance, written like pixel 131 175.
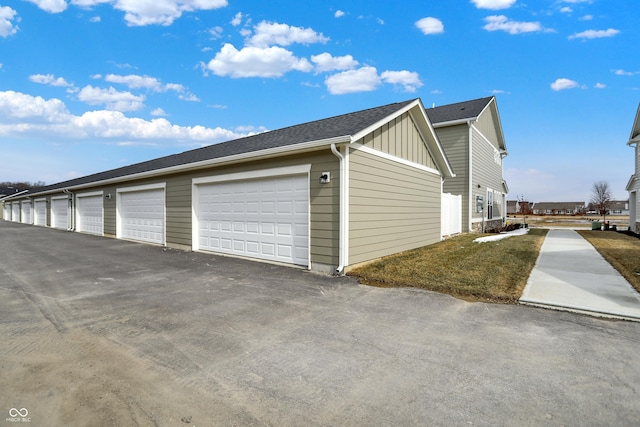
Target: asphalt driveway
pixel 97 331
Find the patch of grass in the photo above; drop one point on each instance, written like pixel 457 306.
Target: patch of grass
pixel 493 271
pixel 620 250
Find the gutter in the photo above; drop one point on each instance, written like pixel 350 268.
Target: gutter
pixel 342 244
pixel 72 216
pixel 10 196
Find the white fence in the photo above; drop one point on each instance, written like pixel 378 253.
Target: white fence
pixel 451 214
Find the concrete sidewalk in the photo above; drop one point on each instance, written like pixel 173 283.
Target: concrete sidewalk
pixel 570 275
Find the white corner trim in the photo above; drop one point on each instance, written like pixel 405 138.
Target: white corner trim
pixel 158 186
pixel 387 156
pixel 261 173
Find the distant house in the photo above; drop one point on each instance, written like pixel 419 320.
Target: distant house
pixel 471 135
pixel 558 208
pixel 633 187
pixel 516 207
pixel 619 207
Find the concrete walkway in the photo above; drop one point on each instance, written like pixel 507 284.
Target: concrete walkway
pixel 570 275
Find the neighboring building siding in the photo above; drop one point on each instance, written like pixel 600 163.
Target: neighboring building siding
pixel 487 123
pixel 487 172
pixel 455 140
pixel 392 207
pixel 401 138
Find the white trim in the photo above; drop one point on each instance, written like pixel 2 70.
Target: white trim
pixel 378 153
pixel 347 192
pixel 90 194
pixel 262 173
pixel 454 122
pixel 158 186
pixel 262 154
pixel 59 197
pixel 366 131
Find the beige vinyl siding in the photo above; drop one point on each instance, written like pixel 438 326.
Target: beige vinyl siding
pixel 487 123
pixel 455 142
pixel 324 200
pixel 486 171
pixel 401 138
pixel 392 207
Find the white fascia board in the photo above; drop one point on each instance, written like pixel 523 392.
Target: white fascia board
pixel 634 140
pixel 382 154
pixel 454 122
pixel 440 156
pixel 271 152
pixel 371 128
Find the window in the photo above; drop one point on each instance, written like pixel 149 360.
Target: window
pixel 489 204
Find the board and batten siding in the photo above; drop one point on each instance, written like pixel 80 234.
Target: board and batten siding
pixel 393 207
pixel 487 123
pixel 400 137
pixel 455 142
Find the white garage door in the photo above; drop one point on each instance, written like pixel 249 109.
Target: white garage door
pixel 26 212
pixel 40 212
pixel 60 212
pixel 265 218
pixel 141 215
pixel 7 212
pixel 90 217
pixel 15 211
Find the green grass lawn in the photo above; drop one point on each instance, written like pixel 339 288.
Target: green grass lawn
pixel 492 271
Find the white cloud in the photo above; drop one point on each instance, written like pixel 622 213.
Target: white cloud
pixel 140 13
pixel 134 81
pixel 326 62
pixel 22 114
pixel 158 112
pixel 623 73
pixel 562 84
pixel 493 4
pixel 600 86
pixel 587 18
pixel 502 23
pixel 49 79
pixel 595 34
pixel 268 34
pixel 409 80
pixel 364 79
pixel 237 19
pixel 216 32
pixel 430 25
pixel 18 107
pixel 7 27
pixel 254 61
pixel 95 19
pixel 51 6
pixel 566 9
pixel 339 14
pixel 111 98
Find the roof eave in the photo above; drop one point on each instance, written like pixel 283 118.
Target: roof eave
pixel 295 148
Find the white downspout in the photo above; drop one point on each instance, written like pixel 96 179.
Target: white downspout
pixel 343 211
pixel 72 214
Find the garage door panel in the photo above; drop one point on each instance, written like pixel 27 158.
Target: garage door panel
pixel 60 213
pixel 90 216
pixel 263 218
pixel 142 215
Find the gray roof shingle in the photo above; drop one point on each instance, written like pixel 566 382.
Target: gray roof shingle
pixel 458 111
pixel 342 125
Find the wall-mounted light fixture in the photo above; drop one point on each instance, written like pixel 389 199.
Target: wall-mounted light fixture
pixel 108 196
pixel 325 177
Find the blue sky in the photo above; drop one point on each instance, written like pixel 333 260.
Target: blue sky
pixel 90 85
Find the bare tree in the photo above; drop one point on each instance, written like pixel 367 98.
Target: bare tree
pixel 601 198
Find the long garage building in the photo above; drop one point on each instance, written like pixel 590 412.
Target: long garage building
pixel 326 195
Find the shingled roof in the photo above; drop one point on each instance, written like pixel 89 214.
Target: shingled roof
pixel 344 125
pixel 458 111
